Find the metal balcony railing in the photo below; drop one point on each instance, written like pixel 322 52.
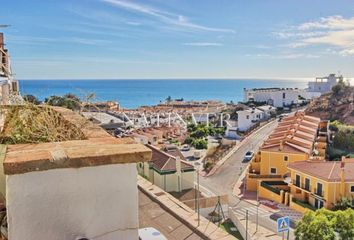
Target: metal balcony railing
pixel 304 186
pixel 318 192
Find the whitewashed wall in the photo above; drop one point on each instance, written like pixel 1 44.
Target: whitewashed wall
pixel 99 203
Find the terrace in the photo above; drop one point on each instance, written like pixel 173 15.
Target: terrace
pixel 61 168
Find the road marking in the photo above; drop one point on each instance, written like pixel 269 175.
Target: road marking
pixel 251 211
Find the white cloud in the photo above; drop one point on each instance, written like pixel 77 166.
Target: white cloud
pixel 334 31
pixel 283 56
pixel 164 16
pixel 203 44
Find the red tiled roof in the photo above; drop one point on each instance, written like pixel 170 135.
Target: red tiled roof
pixel 295 134
pixel 165 162
pixel 326 170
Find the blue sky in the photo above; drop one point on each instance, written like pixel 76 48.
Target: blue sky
pixel 83 39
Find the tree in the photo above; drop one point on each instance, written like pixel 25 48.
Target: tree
pixel 168 99
pixel 200 143
pixel 344 224
pixel 31 99
pixel 324 224
pixel 343 204
pixel 315 226
pixel 68 100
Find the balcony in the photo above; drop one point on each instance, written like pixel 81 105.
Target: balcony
pixel 304 204
pixel 255 175
pixel 318 192
pixel 303 186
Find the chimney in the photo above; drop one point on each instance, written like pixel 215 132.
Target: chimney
pixel 179 173
pixel 281 145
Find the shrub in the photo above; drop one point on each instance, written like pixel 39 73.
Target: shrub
pixel 200 143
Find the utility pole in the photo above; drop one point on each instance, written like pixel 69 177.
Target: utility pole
pixel 246 224
pixel 257 210
pixel 198 200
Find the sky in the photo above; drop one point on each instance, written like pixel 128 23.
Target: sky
pixel 150 39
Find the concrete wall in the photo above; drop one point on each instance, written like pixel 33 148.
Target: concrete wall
pixel 98 202
pixel 169 182
pixel 267 194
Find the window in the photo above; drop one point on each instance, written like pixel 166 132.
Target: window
pixel 273 170
pixel 286 158
pixel 297 180
pixel 307 184
pixel 352 188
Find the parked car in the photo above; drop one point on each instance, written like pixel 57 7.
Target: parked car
pixel 248 156
pixel 150 233
pixel 186 147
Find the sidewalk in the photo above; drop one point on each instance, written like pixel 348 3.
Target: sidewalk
pixel 224 159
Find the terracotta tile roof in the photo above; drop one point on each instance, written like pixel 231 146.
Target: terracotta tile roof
pixel 295 134
pixel 326 170
pixel 164 162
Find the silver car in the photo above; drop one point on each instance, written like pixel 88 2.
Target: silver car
pixel 248 156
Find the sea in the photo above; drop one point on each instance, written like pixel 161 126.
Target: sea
pixel 134 93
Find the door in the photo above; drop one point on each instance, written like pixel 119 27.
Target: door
pixel 318 203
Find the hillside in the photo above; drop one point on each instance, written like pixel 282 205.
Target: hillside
pixel 338 105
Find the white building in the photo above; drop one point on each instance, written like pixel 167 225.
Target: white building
pixel 267 110
pixel 231 129
pixel 324 84
pixel 82 189
pixel 277 97
pixel 247 118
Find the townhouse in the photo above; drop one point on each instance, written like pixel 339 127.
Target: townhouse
pixel 290 167
pixel 322 183
pixel 168 170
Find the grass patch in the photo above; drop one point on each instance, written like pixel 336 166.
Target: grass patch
pixel 230 228
pixel 30 123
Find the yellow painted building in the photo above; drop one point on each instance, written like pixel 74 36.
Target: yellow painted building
pixel 322 183
pixel 296 138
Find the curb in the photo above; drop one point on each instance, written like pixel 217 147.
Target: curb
pixel 222 161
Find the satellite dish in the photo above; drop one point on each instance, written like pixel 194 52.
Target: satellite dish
pixel 287 180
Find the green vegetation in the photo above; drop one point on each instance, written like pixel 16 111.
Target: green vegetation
pixel 270 185
pixel 198 135
pixel 325 224
pixel 340 87
pixel 343 204
pixel 304 204
pixel 30 123
pixel 343 142
pixel 230 228
pixel 69 101
pixel 31 99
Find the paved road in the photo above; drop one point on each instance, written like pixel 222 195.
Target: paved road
pixel 223 181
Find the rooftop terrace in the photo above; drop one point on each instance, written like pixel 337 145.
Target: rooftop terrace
pixel 87 145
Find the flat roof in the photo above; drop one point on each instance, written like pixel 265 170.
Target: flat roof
pixel 102 117
pixel 99 148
